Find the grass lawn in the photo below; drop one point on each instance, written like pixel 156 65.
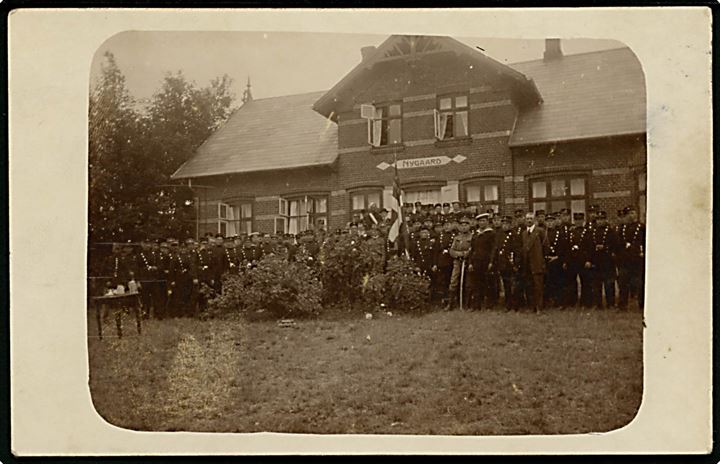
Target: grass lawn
pixel 463 373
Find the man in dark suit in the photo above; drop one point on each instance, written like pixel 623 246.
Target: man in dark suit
pixel 480 258
pixel 534 241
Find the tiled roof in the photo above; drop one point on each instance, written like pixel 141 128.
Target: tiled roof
pixel 587 95
pixel 264 134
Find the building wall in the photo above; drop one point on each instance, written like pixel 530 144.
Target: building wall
pixel 610 166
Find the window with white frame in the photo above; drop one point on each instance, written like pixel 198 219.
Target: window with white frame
pixel 451 117
pixel 384 124
pixel 234 219
pixel 427 196
pixel 486 192
pixel 554 193
pixel 302 213
pixel 364 199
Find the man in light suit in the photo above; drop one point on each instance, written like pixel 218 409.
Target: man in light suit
pixel 534 241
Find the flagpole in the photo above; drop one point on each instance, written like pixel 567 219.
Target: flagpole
pixel 400 205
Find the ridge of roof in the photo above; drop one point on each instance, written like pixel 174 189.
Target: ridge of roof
pixel 572 55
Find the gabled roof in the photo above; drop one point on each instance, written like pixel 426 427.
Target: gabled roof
pixel 269 133
pixel 405 46
pixel 588 95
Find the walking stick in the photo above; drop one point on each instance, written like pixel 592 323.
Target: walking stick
pixel 462 282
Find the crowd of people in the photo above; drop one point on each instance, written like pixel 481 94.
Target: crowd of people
pixel 473 259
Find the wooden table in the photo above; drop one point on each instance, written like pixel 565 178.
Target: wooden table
pixel 119 304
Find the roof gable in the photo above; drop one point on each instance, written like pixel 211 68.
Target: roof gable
pixel 270 133
pixel 415 47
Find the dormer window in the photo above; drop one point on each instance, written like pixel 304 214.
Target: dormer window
pixel 451 117
pixel 384 124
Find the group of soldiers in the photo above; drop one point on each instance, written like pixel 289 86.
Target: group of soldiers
pixel 532 260
pixel 176 278
pixel 473 259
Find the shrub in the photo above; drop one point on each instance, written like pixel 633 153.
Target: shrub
pixel 400 287
pixel 347 262
pixel 274 287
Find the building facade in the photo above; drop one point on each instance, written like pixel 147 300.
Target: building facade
pixel 561 131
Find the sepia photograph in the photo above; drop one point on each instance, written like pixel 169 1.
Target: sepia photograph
pixel 366 234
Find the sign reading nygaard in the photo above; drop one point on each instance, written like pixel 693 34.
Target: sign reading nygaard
pixel 422 162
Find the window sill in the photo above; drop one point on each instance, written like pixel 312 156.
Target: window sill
pixel 454 142
pixel 397 148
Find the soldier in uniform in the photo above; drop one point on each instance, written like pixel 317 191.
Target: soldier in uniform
pixel 443 262
pixel 231 258
pixel 480 259
pixel 446 210
pixel 308 248
pixel 147 277
pixel 424 251
pixel 218 265
pixel 506 260
pixel 459 251
pixel 603 265
pixel 578 264
pixel 631 259
pixel 206 282
pixel 557 249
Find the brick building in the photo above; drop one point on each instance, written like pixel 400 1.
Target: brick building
pixel 561 131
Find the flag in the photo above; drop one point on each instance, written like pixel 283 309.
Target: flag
pixel 396 208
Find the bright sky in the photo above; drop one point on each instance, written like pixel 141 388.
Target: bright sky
pixel 278 63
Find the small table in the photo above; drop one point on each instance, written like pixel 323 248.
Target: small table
pixel 118 304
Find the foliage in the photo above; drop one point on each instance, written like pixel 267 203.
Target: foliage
pixel 400 287
pixel 274 286
pixel 348 262
pixel 133 152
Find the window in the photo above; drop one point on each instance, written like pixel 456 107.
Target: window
pixel 451 117
pixel 384 124
pixel 363 200
pixel 642 195
pixel 234 219
pixel 302 213
pixel 487 193
pixel 556 193
pixel 425 196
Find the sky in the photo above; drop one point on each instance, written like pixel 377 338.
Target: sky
pixel 278 63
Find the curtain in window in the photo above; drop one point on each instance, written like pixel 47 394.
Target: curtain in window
pixel 443 120
pixel 461 129
pixel 377 127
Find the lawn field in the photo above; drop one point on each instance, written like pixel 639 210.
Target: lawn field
pixel 456 373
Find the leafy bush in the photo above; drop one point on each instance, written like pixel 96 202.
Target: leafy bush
pixel 274 287
pixel 400 287
pixel 348 261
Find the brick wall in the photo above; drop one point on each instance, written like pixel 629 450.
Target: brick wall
pixel 611 166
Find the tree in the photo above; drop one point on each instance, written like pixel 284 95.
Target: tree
pixel 113 141
pixel 132 154
pixel 181 118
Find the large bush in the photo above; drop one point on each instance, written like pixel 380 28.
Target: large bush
pixel 274 287
pixel 400 288
pixel 347 262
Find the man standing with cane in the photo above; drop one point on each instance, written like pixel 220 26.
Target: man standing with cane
pixel 459 250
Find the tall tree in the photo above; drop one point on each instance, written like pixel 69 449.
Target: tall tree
pixel 133 153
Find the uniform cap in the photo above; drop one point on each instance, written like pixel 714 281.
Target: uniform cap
pixel 540 212
pixel 565 211
pixel 483 216
pixel 519 212
pixel 602 215
pixel 506 219
pixel 446 205
pixel 578 216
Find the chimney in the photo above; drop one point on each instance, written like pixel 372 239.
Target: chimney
pixel 553 51
pixel 367 51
